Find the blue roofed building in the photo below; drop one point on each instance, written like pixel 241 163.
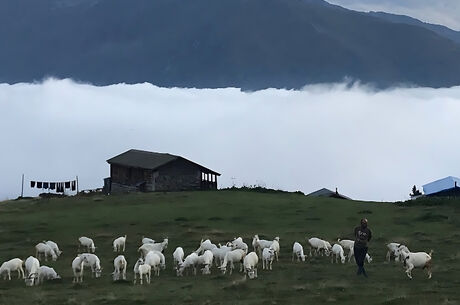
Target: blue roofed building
pixel 449 186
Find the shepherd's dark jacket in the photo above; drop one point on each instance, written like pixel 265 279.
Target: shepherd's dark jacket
pixel 362 237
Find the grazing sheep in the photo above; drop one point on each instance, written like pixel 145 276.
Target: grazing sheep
pixel 119 264
pixel 394 249
pixel 178 257
pixel 145 270
pixel 146 248
pixel 238 243
pixel 46 250
pixel 146 240
pixel 260 244
pixel 276 247
pixel 205 245
pixel 337 251
pixel 46 273
pixel 233 257
pixel 54 246
pixel 190 262
pixel 77 268
pixel 139 262
pixel 119 244
pixel 318 245
pixel 92 261
pixel 32 264
pixel 206 260
pixel 87 243
pixel 413 260
pixel 250 265
pixel 268 255
pixel 154 260
pixel 297 251
pixel 219 254
pixel 14 264
pixel 162 259
pixel 347 245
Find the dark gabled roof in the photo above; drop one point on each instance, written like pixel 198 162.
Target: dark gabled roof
pixel 148 160
pixel 324 192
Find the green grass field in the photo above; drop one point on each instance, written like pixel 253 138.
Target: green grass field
pixel 185 218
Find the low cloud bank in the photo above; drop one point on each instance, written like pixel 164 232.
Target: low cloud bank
pixel 371 145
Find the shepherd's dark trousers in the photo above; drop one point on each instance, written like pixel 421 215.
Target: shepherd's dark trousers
pixel 360 255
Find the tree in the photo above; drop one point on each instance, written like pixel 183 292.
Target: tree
pixel 415 192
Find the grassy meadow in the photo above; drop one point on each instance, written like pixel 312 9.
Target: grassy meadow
pixel 187 217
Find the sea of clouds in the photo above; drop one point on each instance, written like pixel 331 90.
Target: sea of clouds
pixel 372 145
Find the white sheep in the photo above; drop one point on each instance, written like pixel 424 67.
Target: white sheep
pixel 413 260
pixel 119 244
pixel 268 255
pixel 178 256
pixel 318 245
pixel 250 264
pixel 276 247
pixel 54 246
pixel 153 259
pixel 119 264
pixel 145 270
pixel 347 245
pixel 91 260
pixel 87 243
pixel 297 251
pixel 233 257
pixel 206 261
pixel 14 264
pixel 46 273
pixel 162 259
pixel 146 240
pixel 393 249
pixel 219 254
pixel 147 247
pixel 238 243
pixel 77 268
pixel 190 262
pixel 205 245
pixel 337 251
pixel 139 262
pixel 260 244
pixel 32 264
pixel 46 250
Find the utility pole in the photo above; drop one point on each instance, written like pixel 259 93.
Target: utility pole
pixel 22 186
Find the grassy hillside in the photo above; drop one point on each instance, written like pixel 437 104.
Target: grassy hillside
pixel 185 218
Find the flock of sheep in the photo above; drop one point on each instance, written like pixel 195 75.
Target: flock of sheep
pixel 224 257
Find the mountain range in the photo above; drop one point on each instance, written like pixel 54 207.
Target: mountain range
pixel 249 44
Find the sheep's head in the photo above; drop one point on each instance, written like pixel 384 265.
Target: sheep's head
pixel 342 259
pixel 252 273
pixel 98 272
pixel 303 258
pixel 30 280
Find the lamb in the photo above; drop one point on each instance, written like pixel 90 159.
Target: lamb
pixel 178 257
pixel 145 248
pixel 318 245
pixel 145 270
pixel 92 261
pixel 46 273
pixel 119 243
pixel 32 264
pixel 119 263
pixel 250 265
pixel 276 247
pixel 153 259
pixel 413 260
pixel 14 264
pixel 77 268
pixel 139 262
pixel 238 243
pixel 268 255
pixel 232 257
pixel 46 250
pixel 297 251
pixel 206 260
pixel 146 240
pixel 393 250
pixel 54 246
pixel 260 244
pixel 219 254
pixel 205 245
pixel 86 242
pixel 337 251
pixel 190 262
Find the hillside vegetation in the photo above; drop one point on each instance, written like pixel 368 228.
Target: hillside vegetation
pixel 185 218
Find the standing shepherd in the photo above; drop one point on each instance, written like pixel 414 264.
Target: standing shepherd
pixel 362 236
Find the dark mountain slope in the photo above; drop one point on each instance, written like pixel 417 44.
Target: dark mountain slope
pixel 250 44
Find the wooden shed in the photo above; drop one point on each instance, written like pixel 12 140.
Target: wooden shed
pixel 138 170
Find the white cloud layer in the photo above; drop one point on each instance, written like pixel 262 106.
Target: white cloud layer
pixel 445 12
pixel 372 145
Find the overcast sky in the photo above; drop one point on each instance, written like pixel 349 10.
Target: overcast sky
pixel 372 146
pixel 445 12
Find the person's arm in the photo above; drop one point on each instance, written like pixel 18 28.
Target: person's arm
pixel 370 235
pixel 356 233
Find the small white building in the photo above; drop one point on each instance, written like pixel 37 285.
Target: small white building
pixel 444 185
